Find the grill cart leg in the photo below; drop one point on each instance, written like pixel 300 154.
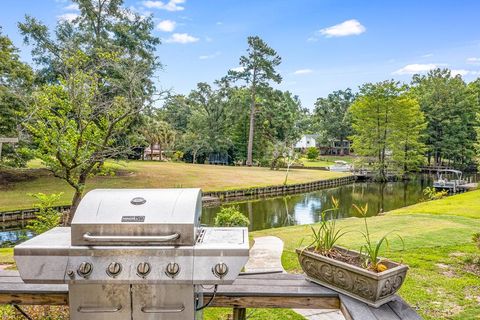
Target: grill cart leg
pixel 22 312
pixel 239 313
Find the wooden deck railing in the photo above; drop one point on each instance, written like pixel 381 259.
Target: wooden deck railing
pixel 248 291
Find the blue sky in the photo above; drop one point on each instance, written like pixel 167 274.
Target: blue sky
pixel 325 45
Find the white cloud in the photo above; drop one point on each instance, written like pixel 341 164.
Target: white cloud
pixel 73 7
pixel 182 38
pixel 209 56
pixel 172 5
pixel 347 28
pixel 303 71
pixel 219 23
pixel 428 55
pixel 473 60
pixel 464 72
pixel 67 17
pixel 238 69
pixel 166 25
pixel 416 68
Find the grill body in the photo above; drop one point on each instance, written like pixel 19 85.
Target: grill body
pixel 135 254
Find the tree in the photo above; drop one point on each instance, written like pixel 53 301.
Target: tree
pixel 210 117
pixel 193 143
pixel 407 140
pixel 16 82
pixel 450 108
pixel 97 76
pixel 75 123
pixel 176 111
pixel 158 132
pixel 332 117
pixel 383 115
pixel 102 27
pixel 258 68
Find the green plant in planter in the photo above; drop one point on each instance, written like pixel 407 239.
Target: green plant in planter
pixel 370 250
pixel 231 217
pixel 327 234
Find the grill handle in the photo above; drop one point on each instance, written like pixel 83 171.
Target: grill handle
pixel 99 309
pixel 163 310
pixel 92 238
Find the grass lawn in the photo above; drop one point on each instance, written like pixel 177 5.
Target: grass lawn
pixel 148 174
pixel 325 161
pixel 437 236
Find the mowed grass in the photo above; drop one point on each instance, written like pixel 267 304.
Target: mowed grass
pixel 326 161
pixel 151 174
pixel 437 244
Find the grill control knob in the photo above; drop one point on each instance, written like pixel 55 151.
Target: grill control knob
pixel 85 269
pixel 220 270
pixel 143 269
pixel 172 269
pixel 114 269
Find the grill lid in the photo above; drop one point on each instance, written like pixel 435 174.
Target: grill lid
pixel 137 217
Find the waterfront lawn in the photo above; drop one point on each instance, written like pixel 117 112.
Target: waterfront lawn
pixel 152 174
pixel 440 283
pixel 326 161
pixel 465 204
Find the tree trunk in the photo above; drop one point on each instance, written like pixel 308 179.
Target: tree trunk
pixel 194 157
pixel 251 132
pixel 75 202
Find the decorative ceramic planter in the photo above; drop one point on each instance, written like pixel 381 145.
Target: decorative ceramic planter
pixel 367 286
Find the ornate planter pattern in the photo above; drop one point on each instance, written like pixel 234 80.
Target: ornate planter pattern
pixel 367 286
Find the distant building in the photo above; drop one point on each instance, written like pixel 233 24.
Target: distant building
pixel 149 154
pixel 336 147
pixel 307 141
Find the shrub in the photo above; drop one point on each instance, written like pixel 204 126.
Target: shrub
pixel 46 218
pixel 312 153
pixel 430 193
pixel 231 217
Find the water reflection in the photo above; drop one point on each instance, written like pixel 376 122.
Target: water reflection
pixel 306 208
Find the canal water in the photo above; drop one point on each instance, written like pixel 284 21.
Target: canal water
pixel 297 209
pixel 306 208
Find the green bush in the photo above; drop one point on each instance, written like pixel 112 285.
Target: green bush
pixel 431 193
pixel 231 217
pixel 312 153
pixel 46 218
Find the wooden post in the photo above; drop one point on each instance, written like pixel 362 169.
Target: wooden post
pixel 239 314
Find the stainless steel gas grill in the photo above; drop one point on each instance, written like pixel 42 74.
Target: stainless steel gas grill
pixel 135 254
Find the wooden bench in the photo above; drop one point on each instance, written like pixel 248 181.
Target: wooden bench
pixel 248 291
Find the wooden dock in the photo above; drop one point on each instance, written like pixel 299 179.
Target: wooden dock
pixel 279 290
